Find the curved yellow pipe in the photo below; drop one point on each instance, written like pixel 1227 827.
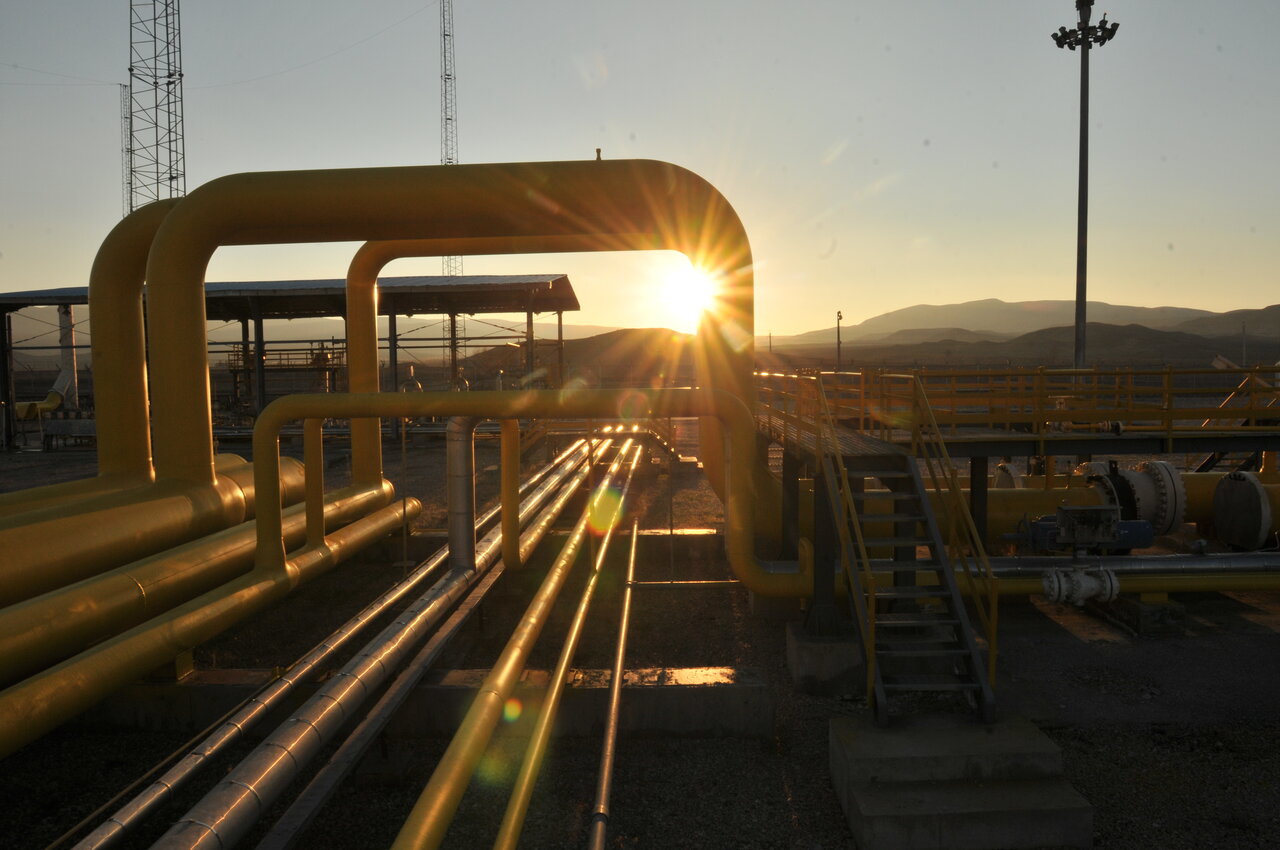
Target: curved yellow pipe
pixel 25 410
pixel 120 405
pixel 615 205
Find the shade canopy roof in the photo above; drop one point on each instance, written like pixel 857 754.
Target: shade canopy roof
pixel 296 299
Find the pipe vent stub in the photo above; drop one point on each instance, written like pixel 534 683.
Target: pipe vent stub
pixel 1242 511
pixel 1164 503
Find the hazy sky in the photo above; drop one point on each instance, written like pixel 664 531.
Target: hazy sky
pixel 881 154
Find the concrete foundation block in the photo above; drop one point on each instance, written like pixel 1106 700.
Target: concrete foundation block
pixel 971 815
pixel 825 665
pixel 939 748
pixel 947 781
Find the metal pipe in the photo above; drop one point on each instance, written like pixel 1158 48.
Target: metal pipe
pixel 46 629
pixel 623 205
pixel 1153 583
pixel 295 821
pixel 120 402
pixel 64 544
pixel 541 486
pixel 522 792
pixel 510 465
pixel 429 820
pixel 460 477
pixel 231 808
pixel 325 783
pixel 736 423
pixel 609 749
pixel 1125 565
pixel 38 704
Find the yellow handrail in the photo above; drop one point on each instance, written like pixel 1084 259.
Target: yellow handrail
pixel 964 544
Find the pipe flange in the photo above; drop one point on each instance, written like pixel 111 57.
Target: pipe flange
pixel 1170 506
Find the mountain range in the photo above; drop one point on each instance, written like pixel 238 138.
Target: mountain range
pixel 984 332
pixel 993 319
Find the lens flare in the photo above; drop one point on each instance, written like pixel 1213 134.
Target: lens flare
pixel 511 710
pixel 605 510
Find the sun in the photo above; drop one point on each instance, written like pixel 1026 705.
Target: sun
pixel 687 293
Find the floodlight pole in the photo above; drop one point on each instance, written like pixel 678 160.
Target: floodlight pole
pixel 1082 213
pixel 1083 37
pixel 839 316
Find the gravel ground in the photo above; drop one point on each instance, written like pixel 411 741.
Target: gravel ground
pixel 1173 738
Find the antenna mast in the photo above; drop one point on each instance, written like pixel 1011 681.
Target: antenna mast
pixel 154 148
pixel 448 109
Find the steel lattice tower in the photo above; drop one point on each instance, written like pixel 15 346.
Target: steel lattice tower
pixel 154 147
pixel 448 109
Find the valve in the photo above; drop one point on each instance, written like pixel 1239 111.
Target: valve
pixel 1077 586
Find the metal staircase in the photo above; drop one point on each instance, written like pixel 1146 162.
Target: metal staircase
pixel 915 629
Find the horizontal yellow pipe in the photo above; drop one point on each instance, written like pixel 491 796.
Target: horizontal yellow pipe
pixel 1144 583
pixel 62 544
pixel 42 702
pixel 627 404
pixel 51 627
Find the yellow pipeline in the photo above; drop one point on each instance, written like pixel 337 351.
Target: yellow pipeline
pixel 732 416
pixel 64 544
pixel 1144 583
pixel 429 820
pixel 48 628
pixel 36 705
pixel 617 205
pixel 120 404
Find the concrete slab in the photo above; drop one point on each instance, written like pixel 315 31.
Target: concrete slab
pixel 947 781
pixel 1011 813
pixel 939 748
pixel 825 665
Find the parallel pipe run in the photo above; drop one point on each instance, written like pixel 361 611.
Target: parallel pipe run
pixel 293 824
pixel 429 820
pixel 540 486
pixel 46 629
pixel 33 707
pixel 518 805
pixel 609 748
pixel 736 421
pixel 223 816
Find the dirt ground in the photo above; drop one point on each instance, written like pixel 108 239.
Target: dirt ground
pixel 1173 737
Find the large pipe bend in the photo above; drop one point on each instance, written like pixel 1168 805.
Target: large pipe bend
pixel 616 205
pixel 120 404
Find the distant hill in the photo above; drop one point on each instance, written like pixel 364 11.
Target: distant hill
pixel 995 319
pixel 1108 346
pixel 1260 323
pixel 914 335
pixel 628 357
